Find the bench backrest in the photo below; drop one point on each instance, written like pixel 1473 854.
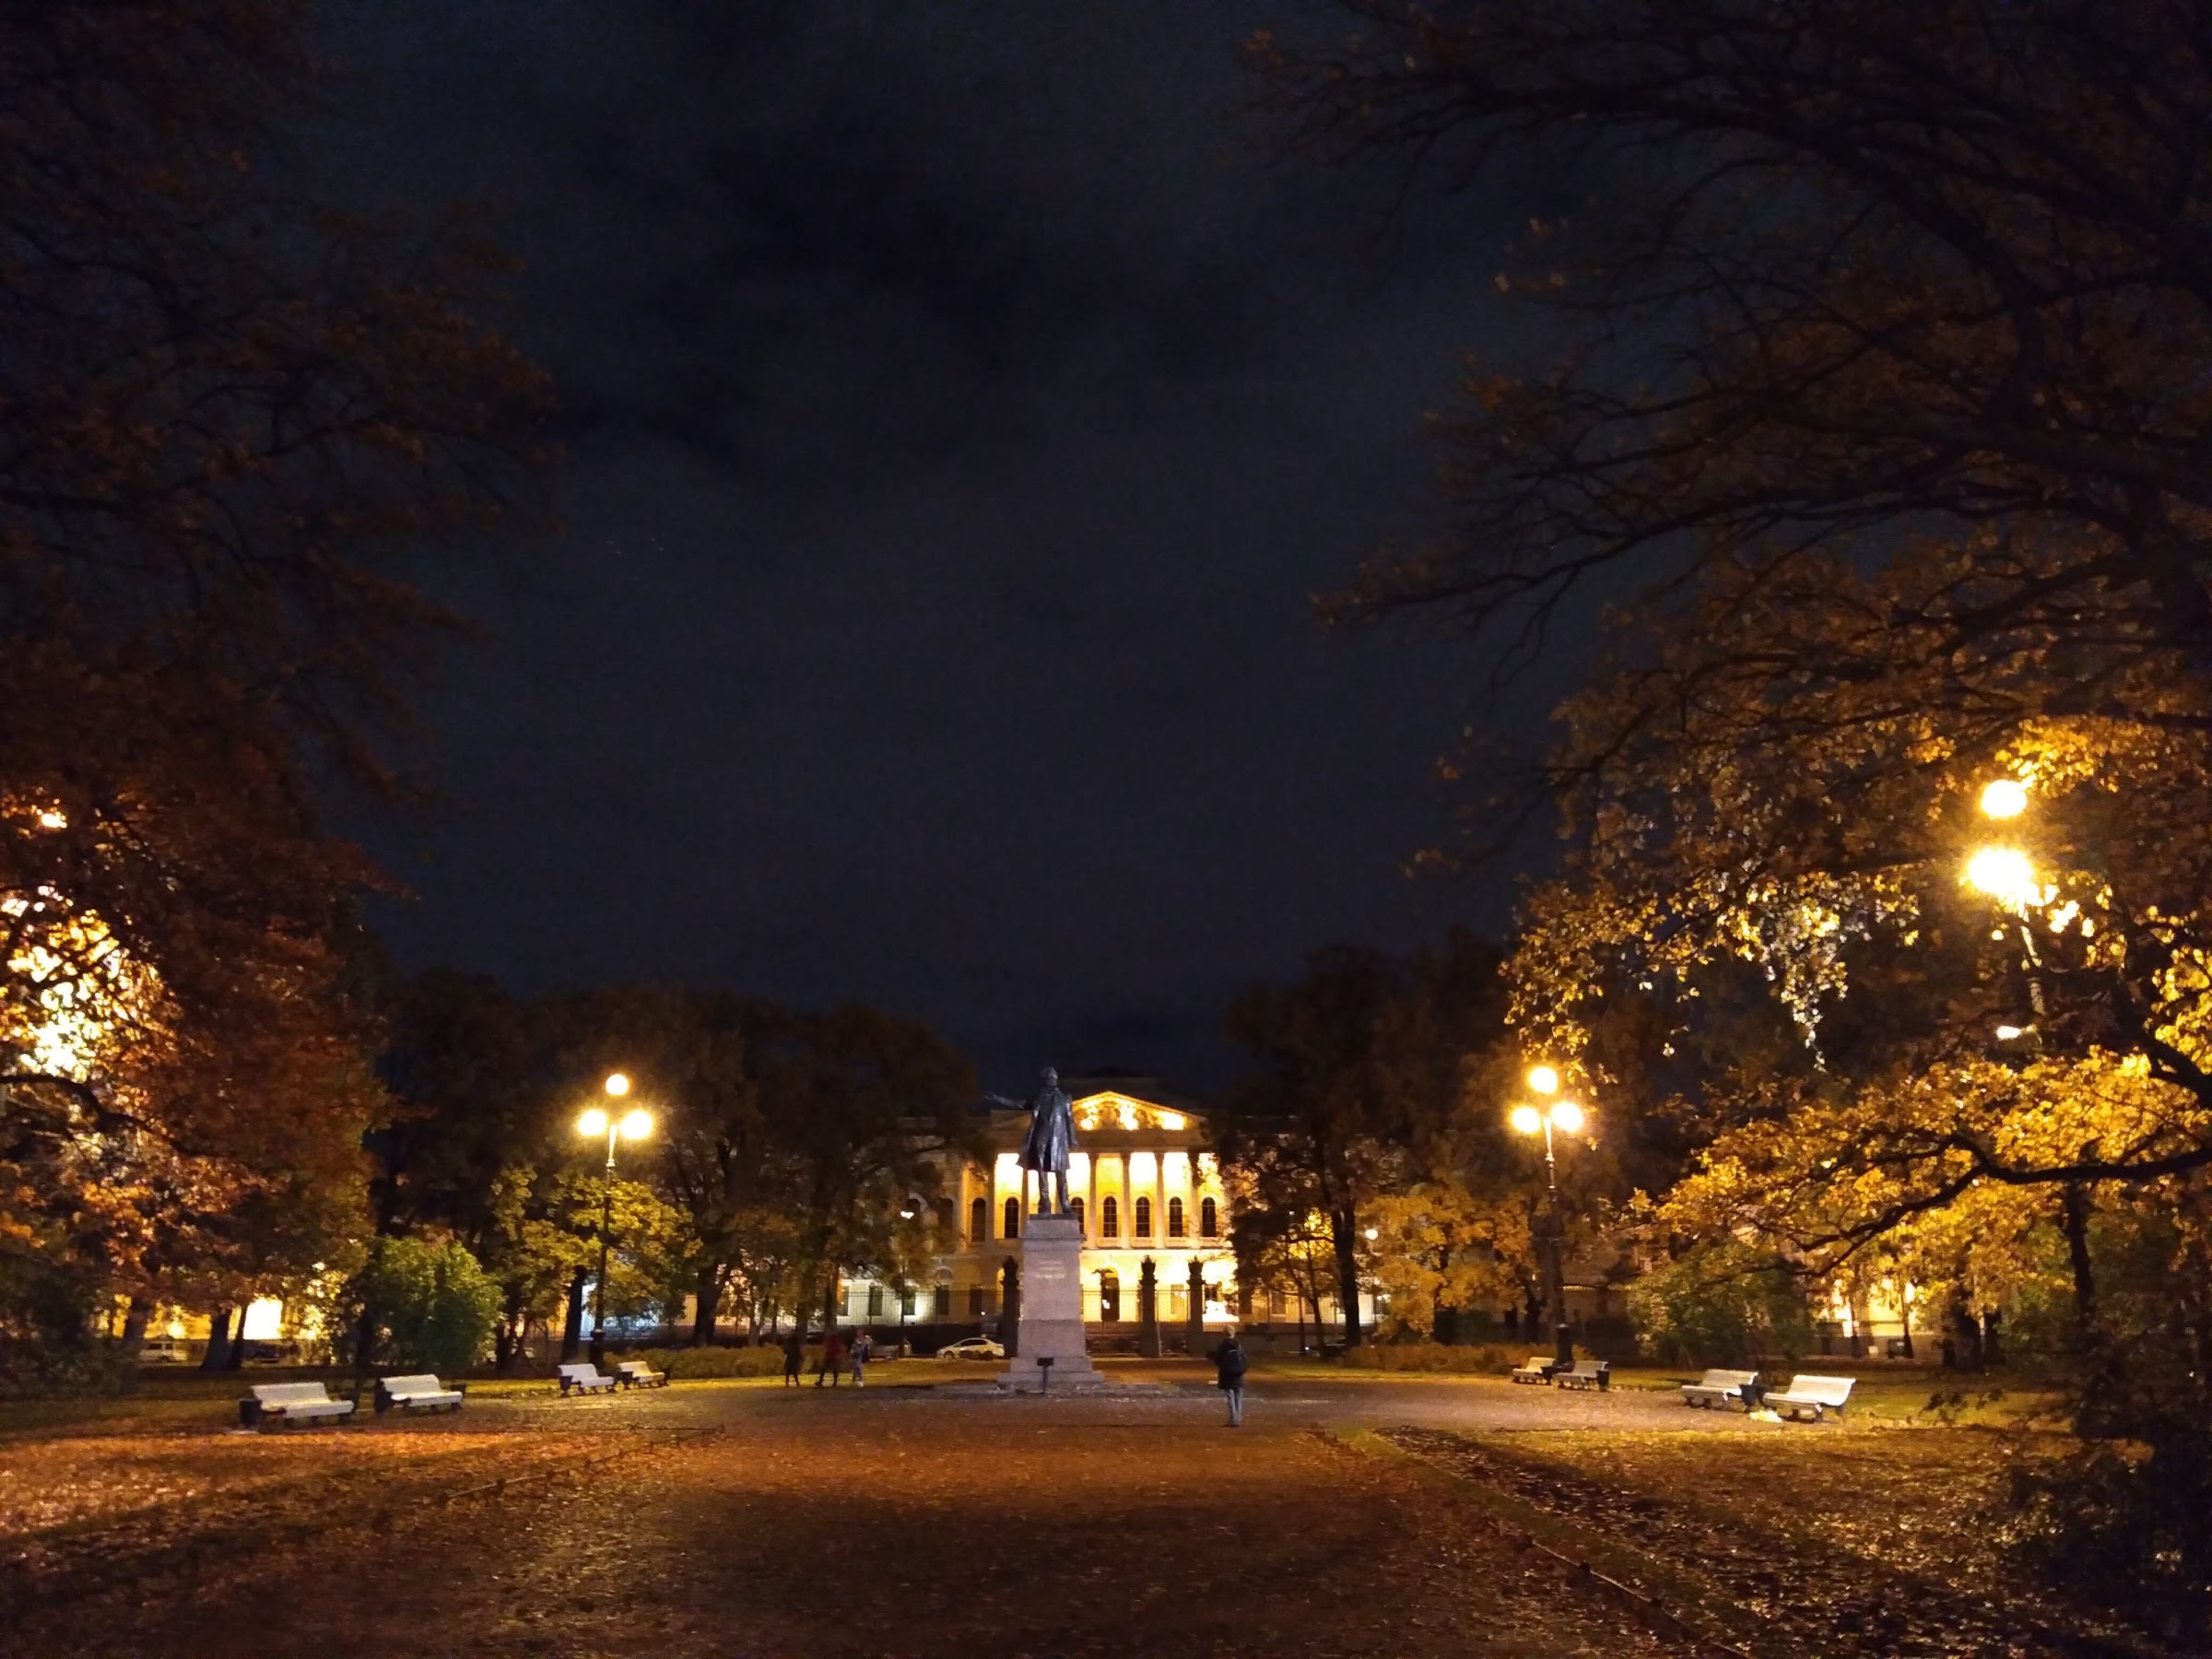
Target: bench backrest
pixel 1726 1379
pixel 1537 1362
pixel 1828 1391
pixel 1589 1368
pixel 581 1373
pixel 425 1383
pixel 635 1368
pixel 291 1393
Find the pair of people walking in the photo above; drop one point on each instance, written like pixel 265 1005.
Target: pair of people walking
pixel 836 1356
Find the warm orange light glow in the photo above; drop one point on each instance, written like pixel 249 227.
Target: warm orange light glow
pixel 50 819
pixel 1527 1120
pixel 637 1124
pixel 593 1123
pixel 1543 1079
pixel 1567 1115
pixel 1171 1119
pixel 2003 873
pixel 617 1084
pixel 2005 798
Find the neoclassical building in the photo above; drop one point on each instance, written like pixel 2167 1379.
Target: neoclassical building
pixel 1143 1180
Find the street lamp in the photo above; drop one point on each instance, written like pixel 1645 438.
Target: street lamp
pixel 1566 1117
pixel 634 1124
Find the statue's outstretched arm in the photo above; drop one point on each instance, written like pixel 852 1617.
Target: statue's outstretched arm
pixel 1001 1101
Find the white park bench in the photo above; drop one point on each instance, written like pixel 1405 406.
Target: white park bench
pixel 1587 1374
pixel 1818 1395
pixel 1538 1369
pixel 293 1403
pixel 1721 1388
pixel 416 1393
pixel 584 1378
pixel 636 1373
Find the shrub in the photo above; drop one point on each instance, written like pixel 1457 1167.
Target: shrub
pixel 722 1362
pixel 1721 1304
pixel 1465 1359
pixel 433 1304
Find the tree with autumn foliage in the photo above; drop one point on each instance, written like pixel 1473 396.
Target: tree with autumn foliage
pixel 1876 410
pixel 222 411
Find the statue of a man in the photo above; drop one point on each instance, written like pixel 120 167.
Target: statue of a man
pixel 1051 1137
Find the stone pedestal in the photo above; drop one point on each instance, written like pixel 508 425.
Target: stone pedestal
pixel 1050 1323
pixel 1194 1323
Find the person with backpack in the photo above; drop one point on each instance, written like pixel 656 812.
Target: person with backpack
pixel 1228 1372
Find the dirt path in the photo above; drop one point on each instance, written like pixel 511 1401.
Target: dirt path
pixel 898 1524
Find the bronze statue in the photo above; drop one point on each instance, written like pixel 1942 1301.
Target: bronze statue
pixel 1051 1137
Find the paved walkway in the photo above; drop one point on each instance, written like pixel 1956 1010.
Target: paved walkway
pixel 901 1522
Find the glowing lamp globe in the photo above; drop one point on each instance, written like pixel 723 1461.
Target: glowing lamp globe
pixel 1527 1120
pixel 1543 1079
pixel 593 1123
pixel 2003 873
pixel 637 1124
pixel 617 1084
pixel 2004 798
pixel 1567 1115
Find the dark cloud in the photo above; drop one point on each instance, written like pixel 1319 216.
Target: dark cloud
pixel 961 406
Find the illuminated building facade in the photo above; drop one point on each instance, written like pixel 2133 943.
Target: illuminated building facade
pixel 1144 1184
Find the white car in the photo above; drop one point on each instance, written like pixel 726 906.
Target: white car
pixel 971 1347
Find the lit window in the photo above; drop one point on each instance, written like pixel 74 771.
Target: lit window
pixel 1174 1218
pixel 1110 1218
pixel 1209 1218
pixel 1144 1218
pixel 1075 1208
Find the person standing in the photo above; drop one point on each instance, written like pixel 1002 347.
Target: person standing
pixel 1228 1373
pixel 833 1358
pixel 794 1356
pixel 864 1349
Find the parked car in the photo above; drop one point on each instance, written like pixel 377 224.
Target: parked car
pixel 972 1348
pixel 164 1350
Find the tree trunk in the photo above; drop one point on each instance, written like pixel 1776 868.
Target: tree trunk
pixel 571 1329
pixel 1904 1319
pixel 1342 1229
pixel 236 1358
pixel 134 1338
pixel 2074 1207
pixel 709 1296
pixel 217 1357
pixel 507 1343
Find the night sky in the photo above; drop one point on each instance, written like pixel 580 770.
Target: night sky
pixel 960 403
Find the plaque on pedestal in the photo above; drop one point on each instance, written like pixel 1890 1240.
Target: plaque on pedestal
pixel 1051 1322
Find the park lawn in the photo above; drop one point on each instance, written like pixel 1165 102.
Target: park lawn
pixel 1917 1506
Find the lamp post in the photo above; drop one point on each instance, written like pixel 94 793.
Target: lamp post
pixel 634 1124
pixel 1531 1119
pixel 2007 875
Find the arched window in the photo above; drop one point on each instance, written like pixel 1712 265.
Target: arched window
pixel 1174 1218
pixel 1075 1208
pixel 979 1220
pixel 1013 1219
pixel 945 1218
pixel 1144 1218
pixel 1209 1218
pixel 1110 1218
pixel 1110 1295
